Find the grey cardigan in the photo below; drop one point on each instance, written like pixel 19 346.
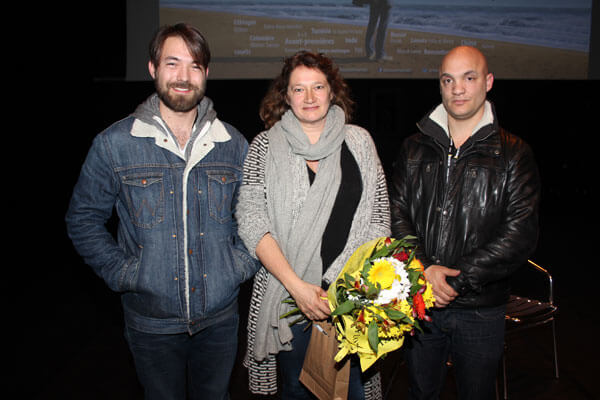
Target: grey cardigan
pixel 371 220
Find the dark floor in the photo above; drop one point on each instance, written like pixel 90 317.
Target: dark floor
pixel 80 352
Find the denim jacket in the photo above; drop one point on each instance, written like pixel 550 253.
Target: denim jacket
pixel 177 261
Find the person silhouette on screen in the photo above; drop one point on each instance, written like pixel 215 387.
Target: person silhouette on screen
pixel 379 15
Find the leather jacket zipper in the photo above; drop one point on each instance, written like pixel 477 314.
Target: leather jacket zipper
pixel 452 154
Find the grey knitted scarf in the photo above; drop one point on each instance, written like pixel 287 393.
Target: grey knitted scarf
pixel 298 211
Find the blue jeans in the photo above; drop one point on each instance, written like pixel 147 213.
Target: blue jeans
pixel 181 366
pixel 290 365
pixel 473 338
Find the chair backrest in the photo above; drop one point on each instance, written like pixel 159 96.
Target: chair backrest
pixel 526 310
pixel 534 282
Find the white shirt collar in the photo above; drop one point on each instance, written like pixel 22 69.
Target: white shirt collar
pixel 440 117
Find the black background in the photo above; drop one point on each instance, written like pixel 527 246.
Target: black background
pixel 79 64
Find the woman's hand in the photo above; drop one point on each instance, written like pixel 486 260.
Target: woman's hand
pixel 310 299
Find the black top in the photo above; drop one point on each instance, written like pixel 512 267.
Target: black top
pixel 347 199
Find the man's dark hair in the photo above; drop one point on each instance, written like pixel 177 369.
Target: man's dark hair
pixel 196 43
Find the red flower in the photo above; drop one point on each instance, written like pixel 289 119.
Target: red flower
pixel 401 256
pixel 419 305
pixel 361 316
pixel 388 241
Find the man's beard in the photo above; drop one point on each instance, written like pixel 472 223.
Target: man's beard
pixel 180 102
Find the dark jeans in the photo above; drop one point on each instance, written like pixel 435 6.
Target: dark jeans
pixel 175 366
pixel 290 365
pixel 474 340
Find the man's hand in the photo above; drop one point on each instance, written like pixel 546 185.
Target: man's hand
pixel 442 292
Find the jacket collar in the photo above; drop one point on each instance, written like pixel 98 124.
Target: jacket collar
pixel 149 124
pixel 435 124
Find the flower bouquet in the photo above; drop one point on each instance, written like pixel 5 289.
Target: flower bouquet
pixel 380 295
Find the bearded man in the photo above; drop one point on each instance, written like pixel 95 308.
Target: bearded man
pixel 171 170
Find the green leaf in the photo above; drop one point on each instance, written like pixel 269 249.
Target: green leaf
pixel 412 255
pixel 395 314
pixel 291 312
pixel 366 268
pixel 344 308
pixel 373 290
pixel 373 336
pixel 383 252
pixel 299 319
pixel 418 326
pixel 340 295
pixel 379 318
pixel 349 280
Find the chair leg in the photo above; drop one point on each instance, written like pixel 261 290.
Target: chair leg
pixel 500 375
pixel 497 391
pixel 504 378
pixel 556 375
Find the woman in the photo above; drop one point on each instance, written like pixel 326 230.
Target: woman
pixel 313 191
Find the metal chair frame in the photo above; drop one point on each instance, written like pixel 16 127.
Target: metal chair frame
pixel 524 313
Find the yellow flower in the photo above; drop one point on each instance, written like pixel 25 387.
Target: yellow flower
pixel 428 295
pixel 352 329
pixel 405 307
pixel 416 264
pixel 382 272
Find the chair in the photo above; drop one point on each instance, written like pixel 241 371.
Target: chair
pixel 524 313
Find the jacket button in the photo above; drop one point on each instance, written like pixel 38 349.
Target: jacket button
pixel 190 252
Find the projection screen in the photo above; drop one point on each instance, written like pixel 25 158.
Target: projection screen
pixel 379 39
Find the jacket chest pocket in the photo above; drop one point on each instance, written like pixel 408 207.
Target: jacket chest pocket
pixel 423 178
pixel 222 186
pixel 145 197
pixel 483 186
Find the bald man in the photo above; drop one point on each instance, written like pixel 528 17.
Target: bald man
pixel 469 191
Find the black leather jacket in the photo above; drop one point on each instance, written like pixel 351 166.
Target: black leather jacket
pixel 477 213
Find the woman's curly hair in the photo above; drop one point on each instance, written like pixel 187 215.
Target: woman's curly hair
pixel 274 104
